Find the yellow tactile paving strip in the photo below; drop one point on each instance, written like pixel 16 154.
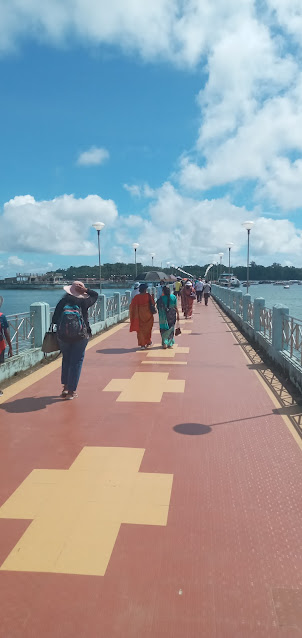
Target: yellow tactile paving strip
pixel 77 513
pixel 145 387
pixel 169 353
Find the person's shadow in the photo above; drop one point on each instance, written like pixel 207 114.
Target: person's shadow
pixel 29 404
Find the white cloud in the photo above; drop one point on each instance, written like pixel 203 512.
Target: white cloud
pixel 93 156
pixel 140 191
pixel 60 226
pixel 15 261
pixel 187 230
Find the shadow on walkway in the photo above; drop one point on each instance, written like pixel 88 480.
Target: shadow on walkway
pixel 29 404
pixel 192 429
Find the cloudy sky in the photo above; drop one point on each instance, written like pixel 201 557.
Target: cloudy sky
pixel 172 121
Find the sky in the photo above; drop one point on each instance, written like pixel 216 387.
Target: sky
pixel 172 122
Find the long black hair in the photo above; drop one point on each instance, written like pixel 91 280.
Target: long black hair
pixel 167 293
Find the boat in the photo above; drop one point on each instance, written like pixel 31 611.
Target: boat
pixel 286 286
pixel 229 280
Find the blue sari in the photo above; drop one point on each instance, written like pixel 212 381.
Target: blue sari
pixel 166 331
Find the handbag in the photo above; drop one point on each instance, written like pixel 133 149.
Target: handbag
pixel 152 306
pixel 177 329
pixel 50 341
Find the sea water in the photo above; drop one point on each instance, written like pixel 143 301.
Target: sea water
pixel 290 297
pixel 17 301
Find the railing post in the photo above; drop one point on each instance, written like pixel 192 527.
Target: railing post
pixel 102 299
pixel 259 304
pixel 246 300
pixel 238 298
pixel 279 311
pixel 39 311
pixel 128 295
pixel 117 302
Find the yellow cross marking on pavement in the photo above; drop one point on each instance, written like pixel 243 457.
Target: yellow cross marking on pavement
pixel 165 363
pixel 169 353
pixel 77 513
pixel 145 387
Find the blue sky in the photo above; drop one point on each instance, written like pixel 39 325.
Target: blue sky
pixel 194 117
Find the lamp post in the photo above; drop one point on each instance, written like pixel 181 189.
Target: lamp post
pixel 229 246
pixel 152 257
pixel 220 255
pixel 98 227
pixel 135 246
pixel 248 226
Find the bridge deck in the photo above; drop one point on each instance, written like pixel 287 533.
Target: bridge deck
pixel 165 502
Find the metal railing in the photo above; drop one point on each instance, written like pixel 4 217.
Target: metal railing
pixel 292 338
pixel 21 330
pixel 250 313
pixel 124 303
pixel 240 306
pixel 94 312
pixel 111 306
pixel 266 322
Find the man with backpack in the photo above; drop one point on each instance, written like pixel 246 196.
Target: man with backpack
pixel 73 331
pixel 4 336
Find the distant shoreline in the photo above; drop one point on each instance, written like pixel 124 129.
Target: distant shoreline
pixel 105 284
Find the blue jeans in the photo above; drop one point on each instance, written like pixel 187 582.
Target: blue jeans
pixel 73 357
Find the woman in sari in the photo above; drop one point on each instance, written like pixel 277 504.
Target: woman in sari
pixel 141 316
pixel 168 314
pixel 187 298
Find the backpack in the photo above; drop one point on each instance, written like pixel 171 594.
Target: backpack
pixel 72 326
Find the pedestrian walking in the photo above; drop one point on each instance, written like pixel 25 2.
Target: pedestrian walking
pixel 159 289
pixel 4 338
pixel 177 287
pixel 207 292
pixel 168 314
pixel 187 299
pixel 199 289
pixel 141 312
pixel 135 290
pixel 73 330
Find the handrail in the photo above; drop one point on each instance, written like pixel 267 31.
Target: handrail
pixel 22 334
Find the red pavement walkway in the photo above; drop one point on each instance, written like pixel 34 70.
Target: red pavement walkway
pixel 217 556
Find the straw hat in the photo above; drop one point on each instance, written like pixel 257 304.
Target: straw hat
pixel 76 289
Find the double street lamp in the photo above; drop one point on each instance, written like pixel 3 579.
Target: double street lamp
pixel 98 227
pixel 248 226
pixel 135 246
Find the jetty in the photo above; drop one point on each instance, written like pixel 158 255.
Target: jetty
pixel 163 502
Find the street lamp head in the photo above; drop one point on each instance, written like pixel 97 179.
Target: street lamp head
pixel 220 254
pixel 248 225
pixel 152 254
pixel 229 244
pixel 135 245
pixel 98 225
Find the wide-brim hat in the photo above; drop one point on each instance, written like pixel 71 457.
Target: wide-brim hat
pixel 1 301
pixel 73 290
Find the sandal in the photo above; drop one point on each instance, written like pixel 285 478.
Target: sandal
pixel 64 393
